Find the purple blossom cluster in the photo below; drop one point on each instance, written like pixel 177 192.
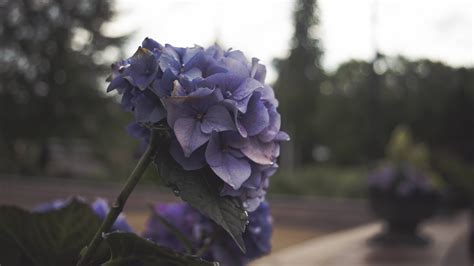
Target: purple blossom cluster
pixel 402 178
pixel 202 231
pixel 100 207
pixel 217 106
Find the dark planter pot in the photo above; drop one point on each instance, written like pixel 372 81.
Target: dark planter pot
pixel 402 215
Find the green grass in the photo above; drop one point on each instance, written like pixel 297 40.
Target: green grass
pixel 325 181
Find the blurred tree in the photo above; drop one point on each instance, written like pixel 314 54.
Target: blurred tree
pixel 52 54
pixel 299 78
pixel 436 101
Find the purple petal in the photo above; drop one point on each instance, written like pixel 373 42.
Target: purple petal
pixel 269 133
pixel 169 62
pixel 224 81
pixel 197 60
pixel 148 109
pixel 233 171
pixel 258 71
pixel 241 128
pixel 151 44
pixel 217 119
pixel 235 66
pixel 260 152
pixel 177 109
pixel 196 161
pixel 246 88
pixel 143 68
pixel 189 134
pixel 119 84
pixel 237 55
pixel 164 86
pixel 268 95
pixel 215 51
pixel 241 105
pixel 193 73
pixel 256 118
pixel 255 179
pixel 282 136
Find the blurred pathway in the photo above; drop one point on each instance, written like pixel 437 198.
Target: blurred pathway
pixel 349 247
pixel 297 219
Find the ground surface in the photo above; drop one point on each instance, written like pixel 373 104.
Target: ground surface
pixel 296 219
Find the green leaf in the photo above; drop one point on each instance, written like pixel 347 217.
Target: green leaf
pixel 52 238
pixel 200 190
pixel 130 249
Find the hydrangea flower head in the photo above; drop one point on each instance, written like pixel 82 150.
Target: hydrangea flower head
pixel 219 111
pixel 200 230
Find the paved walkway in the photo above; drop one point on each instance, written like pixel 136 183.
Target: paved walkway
pixel 350 248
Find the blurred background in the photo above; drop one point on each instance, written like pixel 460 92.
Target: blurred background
pixel 346 73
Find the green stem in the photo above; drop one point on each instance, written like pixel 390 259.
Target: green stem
pixel 119 204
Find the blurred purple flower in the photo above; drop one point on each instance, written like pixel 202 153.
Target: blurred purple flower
pixel 180 215
pixel 257 238
pixel 99 206
pixel 403 178
pixel 200 230
pixel 382 177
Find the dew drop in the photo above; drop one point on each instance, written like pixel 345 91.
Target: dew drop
pixel 244 216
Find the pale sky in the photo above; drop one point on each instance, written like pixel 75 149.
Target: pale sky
pixel 441 30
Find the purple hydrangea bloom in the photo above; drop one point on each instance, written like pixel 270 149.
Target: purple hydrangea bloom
pixel 199 230
pixel 99 206
pixel 218 109
pixel 404 179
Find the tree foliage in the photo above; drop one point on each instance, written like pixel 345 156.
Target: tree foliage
pixel 436 101
pixel 52 54
pixel 299 77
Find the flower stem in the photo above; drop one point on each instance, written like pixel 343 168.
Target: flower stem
pixel 121 199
